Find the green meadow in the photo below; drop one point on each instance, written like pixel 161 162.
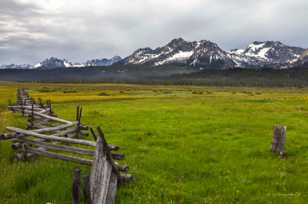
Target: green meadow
pixel 183 144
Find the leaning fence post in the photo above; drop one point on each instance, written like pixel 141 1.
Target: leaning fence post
pixel 76 186
pixel 93 134
pixel 106 174
pixel 279 139
pixel 86 190
pixel 78 119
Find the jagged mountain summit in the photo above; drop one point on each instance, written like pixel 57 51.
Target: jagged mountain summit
pixel 202 54
pixel 269 53
pixel 53 62
pixel 206 54
pixel 103 62
pixel 178 51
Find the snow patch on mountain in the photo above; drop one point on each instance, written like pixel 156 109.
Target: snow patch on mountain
pixel 205 54
pixel 265 54
pixel 255 46
pixel 178 57
pixel 38 65
pixel 178 51
pixel 260 53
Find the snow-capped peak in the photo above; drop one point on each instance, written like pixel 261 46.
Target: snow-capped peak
pixel 205 54
pixel 267 53
pixel 53 62
pixel 179 51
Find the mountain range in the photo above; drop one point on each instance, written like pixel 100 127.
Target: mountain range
pixel 199 54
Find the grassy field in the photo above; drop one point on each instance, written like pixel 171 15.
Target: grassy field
pixel 183 144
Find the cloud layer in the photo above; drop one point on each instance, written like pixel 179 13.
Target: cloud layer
pixel 31 30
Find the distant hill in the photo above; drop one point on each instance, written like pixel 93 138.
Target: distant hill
pixel 166 74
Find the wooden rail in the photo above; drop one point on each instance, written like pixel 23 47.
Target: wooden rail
pixel 53 137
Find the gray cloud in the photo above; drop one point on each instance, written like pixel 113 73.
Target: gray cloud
pixel 31 30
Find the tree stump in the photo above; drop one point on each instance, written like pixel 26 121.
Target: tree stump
pixel 279 139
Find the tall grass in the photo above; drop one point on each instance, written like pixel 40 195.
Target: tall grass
pixel 183 144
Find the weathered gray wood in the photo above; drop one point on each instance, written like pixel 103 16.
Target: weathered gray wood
pixel 86 190
pixel 76 186
pixel 57 128
pixel 59 156
pixel 48 137
pixel 50 146
pixel 105 173
pixel 101 177
pixel 35 108
pixel 38 126
pixel 279 139
pixel 45 122
pixel 50 117
pixel 26 106
pixel 107 150
pixel 44 111
pixel 66 132
pixel 112 189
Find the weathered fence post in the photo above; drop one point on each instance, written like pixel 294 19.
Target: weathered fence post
pixel 103 178
pixel 76 186
pixel 93 134
pixel 86 190
pixel 50 136
pixel 279 139
pixel 78 119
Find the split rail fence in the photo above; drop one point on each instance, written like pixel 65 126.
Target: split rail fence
pixel 48 135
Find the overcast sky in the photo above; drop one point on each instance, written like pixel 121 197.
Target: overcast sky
pixel 32 30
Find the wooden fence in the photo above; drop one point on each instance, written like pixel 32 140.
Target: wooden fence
pixel 50 136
